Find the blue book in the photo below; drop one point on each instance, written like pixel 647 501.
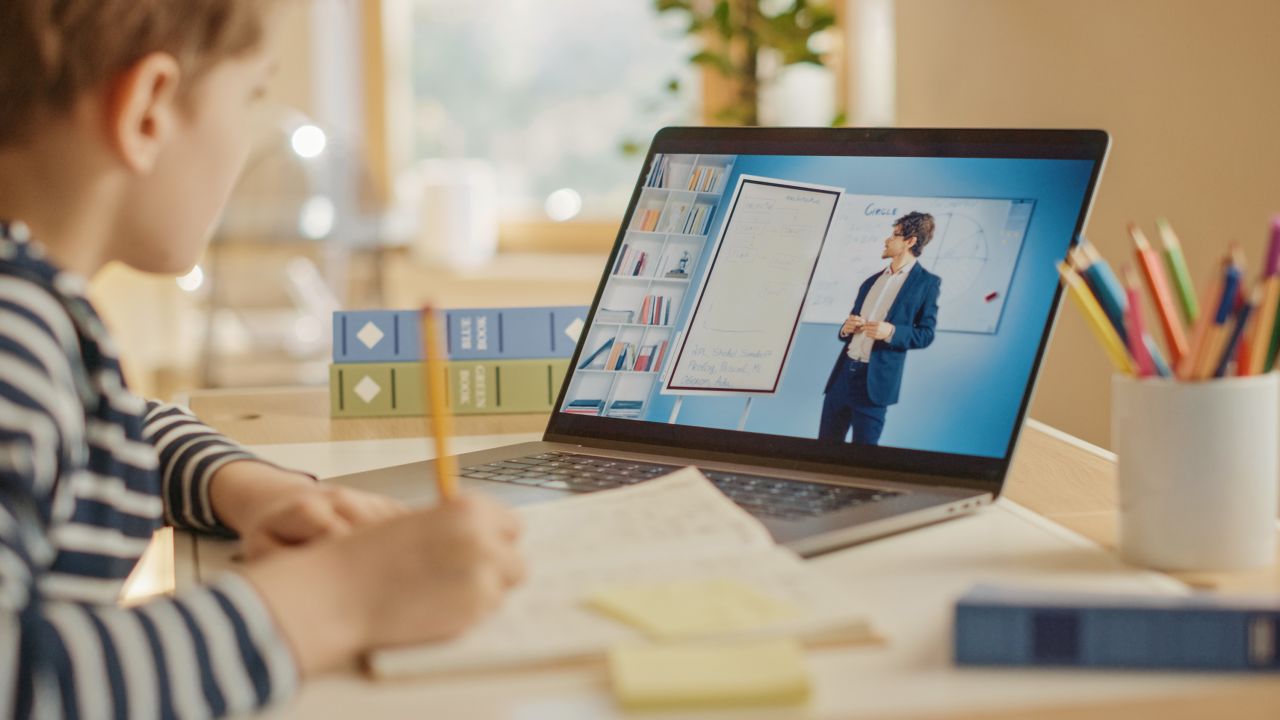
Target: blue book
pixel 473 334
pixel 1005 626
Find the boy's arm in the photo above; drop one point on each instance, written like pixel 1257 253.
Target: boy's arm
pixel 212 652
pixel 191 455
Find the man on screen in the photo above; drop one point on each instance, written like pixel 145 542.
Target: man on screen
pixel 896 310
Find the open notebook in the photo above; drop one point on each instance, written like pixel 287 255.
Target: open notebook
pixel 675 528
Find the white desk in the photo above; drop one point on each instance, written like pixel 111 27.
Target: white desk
pixel 906 584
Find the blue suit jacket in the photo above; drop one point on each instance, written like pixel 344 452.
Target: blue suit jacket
pixel 914 316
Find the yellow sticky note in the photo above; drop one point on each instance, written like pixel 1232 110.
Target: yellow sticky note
pixel 769 672
pixel 692 608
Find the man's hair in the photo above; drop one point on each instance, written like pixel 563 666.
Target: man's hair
pixel 916 225
pixel 53 51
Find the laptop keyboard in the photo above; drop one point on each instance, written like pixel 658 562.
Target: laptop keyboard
pixel 759 495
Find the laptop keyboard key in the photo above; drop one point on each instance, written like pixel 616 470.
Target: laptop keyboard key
pixel 759 495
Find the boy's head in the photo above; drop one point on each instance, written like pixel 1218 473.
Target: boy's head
pixel 148 99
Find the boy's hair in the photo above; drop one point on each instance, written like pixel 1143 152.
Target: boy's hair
pixel 916 225
pixel 53 51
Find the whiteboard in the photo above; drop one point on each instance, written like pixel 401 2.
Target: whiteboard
pixel 748 306
pixel 975 248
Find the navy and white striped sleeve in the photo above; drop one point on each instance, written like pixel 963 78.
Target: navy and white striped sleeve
pixel 214 651
pixel 190 454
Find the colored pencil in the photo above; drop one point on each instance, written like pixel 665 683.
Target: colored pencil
pixel 1178 270
pixel 1137 335
pixel 1242 319
pixel 441 421
pixel 1267 338
pixel 1174 333
pixel 1187 368
pixel 1219 332
pixel 1104 285
pixel 1097 320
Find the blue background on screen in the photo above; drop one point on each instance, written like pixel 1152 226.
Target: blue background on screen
pixel 962 393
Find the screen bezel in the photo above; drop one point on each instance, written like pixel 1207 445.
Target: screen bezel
pixel 901 464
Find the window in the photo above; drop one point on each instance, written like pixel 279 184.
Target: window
pixel 550 93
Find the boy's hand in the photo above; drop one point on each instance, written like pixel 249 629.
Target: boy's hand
pixel 296 516
pixel 435 572
pixel 426 575
pixel 272 508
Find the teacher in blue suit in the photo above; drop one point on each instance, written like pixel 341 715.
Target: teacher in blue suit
pixel 896 311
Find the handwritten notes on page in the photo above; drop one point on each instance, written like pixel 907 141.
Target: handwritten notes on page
pixel 673 530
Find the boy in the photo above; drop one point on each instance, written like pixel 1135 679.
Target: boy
pixel 120 138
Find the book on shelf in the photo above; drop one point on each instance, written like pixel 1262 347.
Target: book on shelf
pixel 655 310
pixel 649 358
pixel 661 354
pixel 1013 626
pixel 474 387
pixel 607 544
pixel 645 357
pixel 621 357
pixel 631 261
pixel 625 409
pixel 705 178
pixel 584 406
pixel 658 175
pixel 647 219
pixel 382 336
pixel 609 315
pixel 595 361
pixel 698 221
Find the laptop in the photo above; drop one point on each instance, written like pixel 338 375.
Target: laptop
pixel 840 327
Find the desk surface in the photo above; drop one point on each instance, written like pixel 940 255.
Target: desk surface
pixel 1053 474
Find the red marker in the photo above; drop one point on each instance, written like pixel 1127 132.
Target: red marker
pixel 992 296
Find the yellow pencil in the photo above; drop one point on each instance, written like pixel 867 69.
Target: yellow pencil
pixel 434 372
pixel 1097 319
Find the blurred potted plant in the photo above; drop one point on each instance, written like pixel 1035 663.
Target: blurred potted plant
pixel 735 35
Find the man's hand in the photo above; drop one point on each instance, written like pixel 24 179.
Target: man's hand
pixel 878 330
pixel 272 508
pixel 851 326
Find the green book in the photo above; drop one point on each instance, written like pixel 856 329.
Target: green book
pixel 475 387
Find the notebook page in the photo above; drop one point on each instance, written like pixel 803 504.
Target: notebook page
pixel 547 619
pixel 677 515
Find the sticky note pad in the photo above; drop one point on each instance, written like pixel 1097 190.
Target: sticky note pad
pixel 691 608
pixel 769 672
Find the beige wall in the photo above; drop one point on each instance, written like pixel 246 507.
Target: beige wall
pixel 1188 89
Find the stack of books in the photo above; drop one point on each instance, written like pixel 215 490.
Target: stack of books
pixel 584 406
pixel 626 409
pixel 500 360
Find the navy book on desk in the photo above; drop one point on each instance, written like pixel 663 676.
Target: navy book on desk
pixel 1006 626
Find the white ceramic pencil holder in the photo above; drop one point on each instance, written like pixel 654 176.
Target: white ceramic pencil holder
pixel 1199 471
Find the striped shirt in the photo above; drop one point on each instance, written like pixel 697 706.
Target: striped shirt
pixel 87 472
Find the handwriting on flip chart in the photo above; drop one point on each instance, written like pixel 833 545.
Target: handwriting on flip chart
pixel 749 304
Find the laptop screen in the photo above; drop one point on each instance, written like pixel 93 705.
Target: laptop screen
pixel 861 303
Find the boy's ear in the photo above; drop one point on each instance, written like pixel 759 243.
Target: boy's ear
pixel 142 110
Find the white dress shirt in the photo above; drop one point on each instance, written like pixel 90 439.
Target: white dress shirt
pixel 883 292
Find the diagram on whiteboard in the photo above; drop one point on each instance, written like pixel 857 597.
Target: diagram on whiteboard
pixel 975 248
pixel 750 302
